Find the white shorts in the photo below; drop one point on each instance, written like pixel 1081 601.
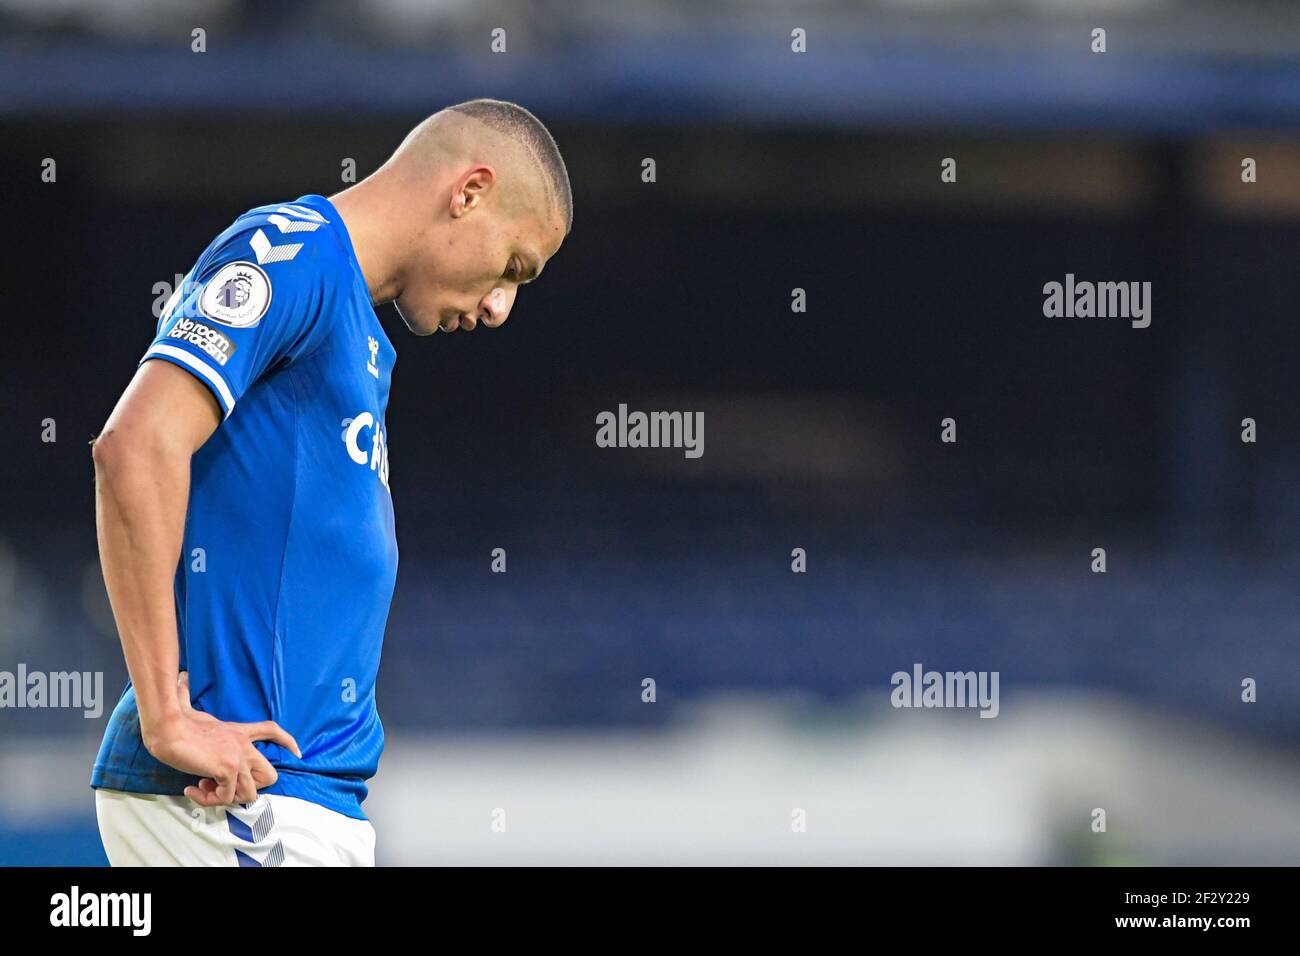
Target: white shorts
pixel 140 829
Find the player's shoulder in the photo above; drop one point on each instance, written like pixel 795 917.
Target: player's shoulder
pixel 301 232
pixel 286 252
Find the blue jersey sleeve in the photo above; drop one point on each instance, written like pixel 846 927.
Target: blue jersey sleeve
pixel 256 300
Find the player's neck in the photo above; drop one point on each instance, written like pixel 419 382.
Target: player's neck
pixel 370 227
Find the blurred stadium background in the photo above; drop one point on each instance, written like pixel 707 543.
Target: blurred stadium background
pixel 775 170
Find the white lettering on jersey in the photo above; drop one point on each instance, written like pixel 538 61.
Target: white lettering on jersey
pixel 373 365
pixel 378 455
pixel 216 345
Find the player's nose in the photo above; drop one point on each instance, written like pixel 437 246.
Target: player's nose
pixel 495 307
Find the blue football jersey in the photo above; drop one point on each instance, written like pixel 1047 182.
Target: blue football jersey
pixel 289 556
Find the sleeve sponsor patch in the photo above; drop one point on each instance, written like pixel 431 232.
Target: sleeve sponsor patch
pixel 238 295
pixel 218 347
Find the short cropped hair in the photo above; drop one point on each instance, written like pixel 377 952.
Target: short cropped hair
pixel 522 126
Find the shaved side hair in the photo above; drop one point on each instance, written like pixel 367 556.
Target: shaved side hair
pixel 512 120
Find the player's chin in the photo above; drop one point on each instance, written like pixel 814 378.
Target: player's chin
pixel 418 322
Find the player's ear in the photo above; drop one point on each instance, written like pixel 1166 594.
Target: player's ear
pixel 471 189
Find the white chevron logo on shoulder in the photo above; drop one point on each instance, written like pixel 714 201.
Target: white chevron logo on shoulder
pixel 302 212
pixel 268 253
pixel 292 225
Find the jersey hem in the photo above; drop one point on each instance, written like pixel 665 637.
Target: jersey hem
pixel 289 785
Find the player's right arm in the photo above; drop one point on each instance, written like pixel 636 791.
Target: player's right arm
pixel 142 477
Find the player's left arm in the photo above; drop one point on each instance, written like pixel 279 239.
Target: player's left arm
pixel 142 478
